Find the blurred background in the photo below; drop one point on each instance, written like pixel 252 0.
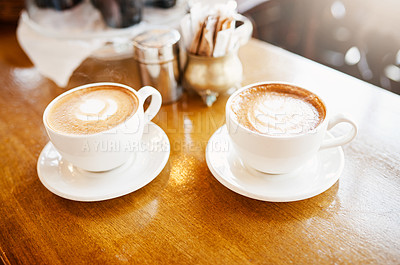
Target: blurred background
pixel 358 37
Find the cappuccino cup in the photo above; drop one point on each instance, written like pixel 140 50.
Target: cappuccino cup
pixel 276 127
pixel 97 127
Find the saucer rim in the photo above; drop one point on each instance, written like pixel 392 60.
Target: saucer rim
pixel 116 194
pixel 271 198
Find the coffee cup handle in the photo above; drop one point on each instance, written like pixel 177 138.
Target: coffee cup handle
pixel 340 140
pixel 155 103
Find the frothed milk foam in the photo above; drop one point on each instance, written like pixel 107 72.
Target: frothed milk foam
pixel 92 110
pixel 278 109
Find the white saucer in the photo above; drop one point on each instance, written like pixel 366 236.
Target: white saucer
pixel 67 181
pixel 315 177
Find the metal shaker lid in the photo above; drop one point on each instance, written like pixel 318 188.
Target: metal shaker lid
pixel 156 45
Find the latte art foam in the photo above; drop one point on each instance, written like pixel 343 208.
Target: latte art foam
pixel 278 109
pixel 96 109
pixel 92 110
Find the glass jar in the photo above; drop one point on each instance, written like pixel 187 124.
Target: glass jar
pixel 78 14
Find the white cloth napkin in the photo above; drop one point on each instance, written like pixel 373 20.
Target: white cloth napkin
pixel 58 42
pixel 54 58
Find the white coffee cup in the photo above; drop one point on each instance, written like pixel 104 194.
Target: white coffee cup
pixel 110 148
pixel 279 154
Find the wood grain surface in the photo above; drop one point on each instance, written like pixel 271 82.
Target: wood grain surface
pixel 185 216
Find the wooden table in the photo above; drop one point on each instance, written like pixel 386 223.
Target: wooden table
pixel 185 216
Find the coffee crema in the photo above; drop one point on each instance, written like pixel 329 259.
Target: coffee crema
pixel 92 110
pixel 278 109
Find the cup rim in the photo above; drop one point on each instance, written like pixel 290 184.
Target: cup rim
pixel 48 107
pixel 228 111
